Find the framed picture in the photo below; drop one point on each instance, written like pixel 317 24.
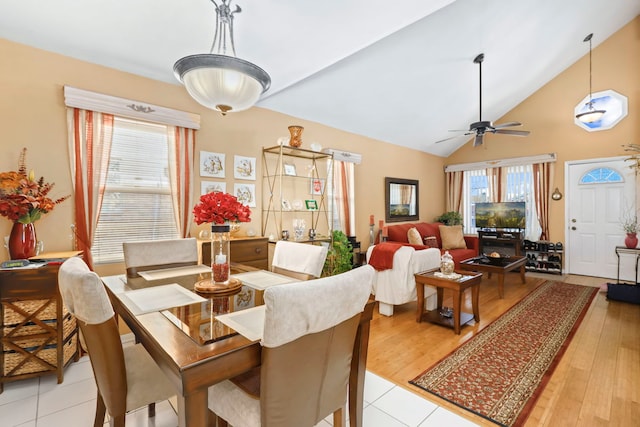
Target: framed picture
pixel 246 194
pixel 317 186
pixel 207 187
pixel 311 205
pixel 290 169
pixel 286 206
pixel 212 164
pixel 244 167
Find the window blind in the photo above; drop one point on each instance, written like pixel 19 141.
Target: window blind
pixel 137 201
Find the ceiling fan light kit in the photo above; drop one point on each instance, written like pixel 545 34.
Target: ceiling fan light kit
pixel 481 127
pixel 592 114
pixel 219 80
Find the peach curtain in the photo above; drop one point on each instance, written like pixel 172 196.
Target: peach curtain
pixel 181 154
pixel 454 187
pixel 494 179
pixel 90 136
pixel 344 195
pixel 542 177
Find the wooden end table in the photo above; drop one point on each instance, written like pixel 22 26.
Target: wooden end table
pixel 514 262
pixel 458 318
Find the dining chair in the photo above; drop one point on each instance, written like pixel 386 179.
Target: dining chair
pixel 159 254
pixel 127 378
pixel 307 347
pixel 302 261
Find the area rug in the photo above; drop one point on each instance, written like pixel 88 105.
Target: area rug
pixel 499 373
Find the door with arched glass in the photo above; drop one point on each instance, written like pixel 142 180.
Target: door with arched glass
pixel 599 195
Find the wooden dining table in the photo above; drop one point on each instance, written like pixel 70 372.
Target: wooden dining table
pixel 193 360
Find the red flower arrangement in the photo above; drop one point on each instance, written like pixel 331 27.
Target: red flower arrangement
pixel 23 199
pixel 220 208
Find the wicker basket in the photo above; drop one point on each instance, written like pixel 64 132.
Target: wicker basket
pixel 44 360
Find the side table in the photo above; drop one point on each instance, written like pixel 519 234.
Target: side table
pixel 39 336
pixel 458 286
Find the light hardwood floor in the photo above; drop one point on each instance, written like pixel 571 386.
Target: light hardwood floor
pixel 596 383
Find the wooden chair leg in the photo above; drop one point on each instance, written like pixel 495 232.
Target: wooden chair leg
pixel 340 418
pixel 221 422
pixel 101 410
pixel 152 410
pixel 118 421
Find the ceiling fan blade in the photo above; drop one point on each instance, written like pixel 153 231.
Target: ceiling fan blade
pixel 447 139
pixel 478 140
pixel 507 125
pixel 512 132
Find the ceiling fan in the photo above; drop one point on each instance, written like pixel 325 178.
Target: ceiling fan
pixel 481 127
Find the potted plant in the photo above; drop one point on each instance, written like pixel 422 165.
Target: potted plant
pixel 630 226
pixel 340 255
pixel 450 218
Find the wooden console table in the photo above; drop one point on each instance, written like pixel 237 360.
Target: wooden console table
pixel 251 251
pixel 39 335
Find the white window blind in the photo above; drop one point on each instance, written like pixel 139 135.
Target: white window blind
pixel 137 201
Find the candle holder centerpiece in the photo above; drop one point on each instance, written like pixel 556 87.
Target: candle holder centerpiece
pixel 220 210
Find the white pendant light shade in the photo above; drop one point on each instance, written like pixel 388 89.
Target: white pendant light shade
pixel 219 81
pixel 222 83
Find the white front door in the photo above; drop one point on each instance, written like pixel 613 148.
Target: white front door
pixel 599 194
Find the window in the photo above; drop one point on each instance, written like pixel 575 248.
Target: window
pixel 137 202
pixel 601 175
pixel 517 183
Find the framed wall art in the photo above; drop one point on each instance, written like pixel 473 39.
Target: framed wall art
pixel 246 194
pixel 211 186
pixel 212 164
pixel 244 167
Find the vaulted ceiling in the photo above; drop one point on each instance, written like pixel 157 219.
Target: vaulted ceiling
pixel 400 72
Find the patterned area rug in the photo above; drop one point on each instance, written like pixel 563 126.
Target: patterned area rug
pixel 499 373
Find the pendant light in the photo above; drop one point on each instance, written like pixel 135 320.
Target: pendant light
pixel 218 80
pixel 591 114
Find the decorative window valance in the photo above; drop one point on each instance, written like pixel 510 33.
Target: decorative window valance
pixel 515 161
pixel 87 100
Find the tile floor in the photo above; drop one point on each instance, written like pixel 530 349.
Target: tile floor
pixel 41 402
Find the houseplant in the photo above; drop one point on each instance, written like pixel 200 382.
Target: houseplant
pixel 630 226
pixel 450 218
pixel 24 200
pixel 340 255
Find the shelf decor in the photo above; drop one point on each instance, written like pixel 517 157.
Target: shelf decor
pixel 24 200
pixel 220 209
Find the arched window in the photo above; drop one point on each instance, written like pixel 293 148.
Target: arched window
pixel 601 175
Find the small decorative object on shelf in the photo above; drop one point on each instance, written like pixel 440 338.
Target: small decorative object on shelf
pixel 446 263
pixel 299 226
pixel 24 200
pixel 285 234
pixel 220 209
pixel 312 233
pixel 296 136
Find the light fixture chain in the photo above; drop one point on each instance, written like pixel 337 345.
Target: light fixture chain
pixel 224 28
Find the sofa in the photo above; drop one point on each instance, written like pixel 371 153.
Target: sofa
pixel 399 233
pixel 397 285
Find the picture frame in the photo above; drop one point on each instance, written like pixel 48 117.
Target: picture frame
pixel 286 206
pixel 246 194
pixel 212 164
pixel 311 205
pixel 289 169
pixel 207 187
pixel 316 186
pixel 244 167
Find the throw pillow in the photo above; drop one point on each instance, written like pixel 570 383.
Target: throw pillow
pixel 414 237
pixel 431 241
pixel 452 237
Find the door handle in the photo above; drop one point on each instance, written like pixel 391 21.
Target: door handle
pixel 573 228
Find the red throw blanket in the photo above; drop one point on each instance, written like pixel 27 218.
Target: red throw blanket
pixel 382 255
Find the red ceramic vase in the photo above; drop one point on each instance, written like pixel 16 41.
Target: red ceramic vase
pixel 22 241
pixel 631 241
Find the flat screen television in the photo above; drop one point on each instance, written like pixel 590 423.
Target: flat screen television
pixel 501 215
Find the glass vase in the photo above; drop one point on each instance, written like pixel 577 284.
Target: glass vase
pixel 220 254
pixel 296 136
pixel 22 242
pixel 447 265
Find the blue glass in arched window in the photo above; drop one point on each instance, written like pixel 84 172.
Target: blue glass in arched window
pixel 601 175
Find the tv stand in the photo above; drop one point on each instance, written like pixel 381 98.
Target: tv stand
pixel 505 242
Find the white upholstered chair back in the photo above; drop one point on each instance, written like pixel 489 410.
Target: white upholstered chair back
pixel 307 260
pixel 308 344
pixel 157 254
